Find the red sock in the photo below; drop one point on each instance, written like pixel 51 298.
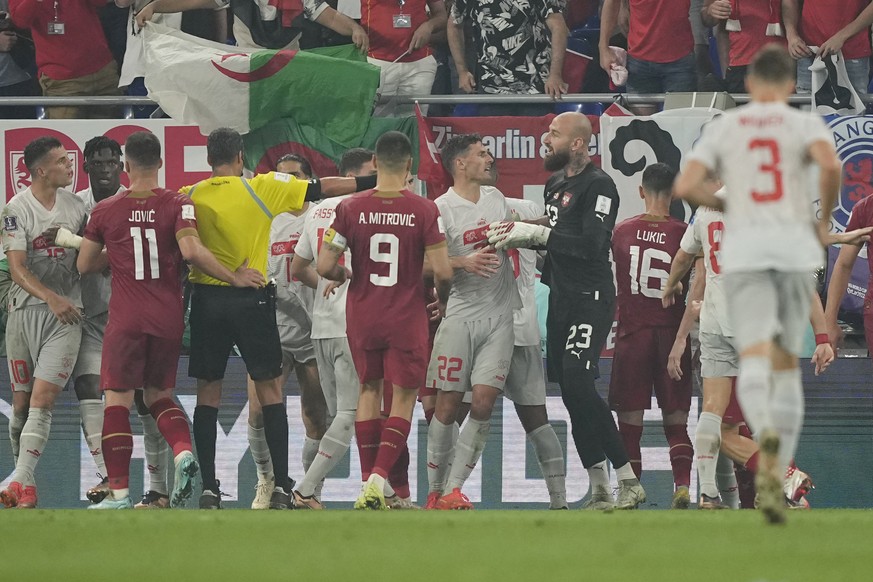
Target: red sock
pixel 368 433
pixel 681 453
pixel 428 415
pixel 752 463
pixel 173 424
pixel 117 445
pixel 393 441
pixel 630 436
pixel 746 487
pixel 399 475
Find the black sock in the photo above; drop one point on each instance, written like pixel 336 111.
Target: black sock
pixel 205 433
pixel 276 433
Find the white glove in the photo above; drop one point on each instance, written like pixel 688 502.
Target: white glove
pixel 512 235
pixel 67 239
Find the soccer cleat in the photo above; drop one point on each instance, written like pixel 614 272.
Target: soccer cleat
pixel 707 502
pixel 601 499
pixel 630 494
pixel 397 502
pixel 10 496
pixel 281 499
pixel 98 493
pixel 210 499
pixel 802 503
pixel 371 497
pixel 27 500
pixel 768 480
pixel 183 482
pixel 263 493
pixel 432 499
pixel 454 500
pixel 304 502
pixel 111 503
pixel 681 498
pixel 797 485
pixel 153 500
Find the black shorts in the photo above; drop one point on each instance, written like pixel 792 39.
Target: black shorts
pixel 224 316
pixel 576 331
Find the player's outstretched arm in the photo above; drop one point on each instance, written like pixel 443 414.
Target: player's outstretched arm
pixel 164 6
pixel 692 185
pixel 198 255
pixel 336 186
pixel 837 290
pixel 91 259
pixel 824 352
pixel 63 309
pixel 438 258
pixel 508 234
pixel 678 269
pixel 303 271
pixel 851 237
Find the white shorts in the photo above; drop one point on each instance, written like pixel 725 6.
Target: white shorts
pixel 91 348
pixel 336 370
pixel 467 353
pixel 295 326
pixel 769 306
pixel 413 78
pixel 40 346
pixel 526 382
pixel 719 357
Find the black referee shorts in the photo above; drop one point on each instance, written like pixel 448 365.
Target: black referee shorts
pixel 576 331
pixel 224 316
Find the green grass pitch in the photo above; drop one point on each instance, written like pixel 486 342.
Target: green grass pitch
pixel 308 546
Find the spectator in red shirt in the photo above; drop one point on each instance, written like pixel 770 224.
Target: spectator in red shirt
pixel 753 17
pixel 72 55
pixel 400 34
pixel 660 44
pixel 833 26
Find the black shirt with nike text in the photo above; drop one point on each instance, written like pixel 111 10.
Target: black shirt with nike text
pixel 582 211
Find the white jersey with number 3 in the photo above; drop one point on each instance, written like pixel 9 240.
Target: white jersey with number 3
pixel 761 153
pixel 704 236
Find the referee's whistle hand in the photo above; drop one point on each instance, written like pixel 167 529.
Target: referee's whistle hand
pixel 245 277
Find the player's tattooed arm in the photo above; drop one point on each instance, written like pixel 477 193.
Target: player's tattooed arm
pixel 692 312
pixel 327 264
pixel 62 307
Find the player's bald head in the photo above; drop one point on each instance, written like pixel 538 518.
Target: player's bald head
pixel 574 124
pixel 567 140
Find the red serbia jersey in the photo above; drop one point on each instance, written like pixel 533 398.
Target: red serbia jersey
pixel 140 230
pixel 387 234
pixel 862 217
pixel 643 249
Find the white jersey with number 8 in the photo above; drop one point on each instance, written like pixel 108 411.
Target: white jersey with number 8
pixel 704 236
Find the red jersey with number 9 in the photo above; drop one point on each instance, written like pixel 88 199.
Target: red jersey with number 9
pixel 140 232
pixel 643 248
pixel 387 234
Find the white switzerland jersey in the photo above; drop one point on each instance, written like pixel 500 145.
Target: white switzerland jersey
pixel 285 234
pixel 704 236
pixel 760 152
pixel 527 326
pixel 328 315
pixel 95 286
pixel 474 298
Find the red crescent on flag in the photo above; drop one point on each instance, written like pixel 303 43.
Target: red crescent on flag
pixel 273 66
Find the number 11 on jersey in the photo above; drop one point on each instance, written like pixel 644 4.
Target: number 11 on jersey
pixel 139 266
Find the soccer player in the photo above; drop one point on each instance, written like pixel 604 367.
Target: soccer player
pixel 234 216
pixel 339 379
pixel 581 207
pixel 146 232
pixel 525 383
pixel 389 231
pixel 642 248
pixel 44 329
pixel 474 343
pixel 294 320
pixel 772 242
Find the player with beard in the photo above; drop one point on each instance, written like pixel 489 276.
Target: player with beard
pixel 581 207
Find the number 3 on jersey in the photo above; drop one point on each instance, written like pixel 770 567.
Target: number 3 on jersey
pixel 138 263
pixel 769 151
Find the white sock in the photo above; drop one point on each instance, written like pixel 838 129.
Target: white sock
pixel 157 454
pixel 34 436
pixel 380 482
pixel 707 442
pixel 91 412
pixel 440 448
pixel 333 446
pixel 727 482
pixel 625 472
pixel 387 489
pixel 551 460
pixel 260 453
pixel 753 391
pixel 471 443
pixel 16 424
pixel 598 475
pixel 310 449
pixel 118 494
pixel 786 410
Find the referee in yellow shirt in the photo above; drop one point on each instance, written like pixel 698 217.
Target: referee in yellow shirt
pixel 233 217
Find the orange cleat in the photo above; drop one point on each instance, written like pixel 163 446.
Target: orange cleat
pixel 28 499
pixel 10 496
pixel 454 500
pixel 432 498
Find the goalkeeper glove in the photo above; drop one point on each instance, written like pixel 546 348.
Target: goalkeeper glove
pixel 512 235
pixel 67 239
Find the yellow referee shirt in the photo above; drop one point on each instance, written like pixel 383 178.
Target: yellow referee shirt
pixel 234 217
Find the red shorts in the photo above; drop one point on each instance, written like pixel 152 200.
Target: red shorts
pixel 405 367
pixel 639 364
pixel 133 359
pixel 733 414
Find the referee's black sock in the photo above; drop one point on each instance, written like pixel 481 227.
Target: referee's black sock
pixel 205 433
pixel 276 433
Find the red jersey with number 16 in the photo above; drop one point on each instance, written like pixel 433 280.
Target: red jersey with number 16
pixel 140 231
pixel 387 234
pixel 643 248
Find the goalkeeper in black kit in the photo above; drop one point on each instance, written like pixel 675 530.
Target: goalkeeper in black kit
pixel 581 208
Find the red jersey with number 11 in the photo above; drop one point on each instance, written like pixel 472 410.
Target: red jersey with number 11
pixel 643 248
pixel 387 234
pixel 140 230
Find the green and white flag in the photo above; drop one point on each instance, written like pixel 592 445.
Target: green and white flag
pixel 214 85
